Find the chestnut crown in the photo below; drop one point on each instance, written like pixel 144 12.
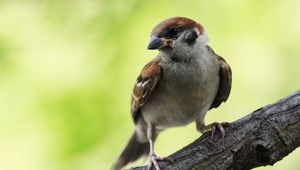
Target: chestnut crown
pixel 172 26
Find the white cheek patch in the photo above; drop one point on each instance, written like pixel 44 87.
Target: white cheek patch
pixel 203 38
pixel 197 31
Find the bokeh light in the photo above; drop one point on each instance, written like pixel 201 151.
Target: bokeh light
pixel 67 69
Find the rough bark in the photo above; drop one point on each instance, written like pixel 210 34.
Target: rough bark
pixel 258 139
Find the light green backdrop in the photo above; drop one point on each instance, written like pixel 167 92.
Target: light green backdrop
pixel 67 68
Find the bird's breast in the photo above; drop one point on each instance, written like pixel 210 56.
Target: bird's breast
pixel 183 93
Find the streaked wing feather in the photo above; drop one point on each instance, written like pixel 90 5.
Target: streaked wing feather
pixel 144 86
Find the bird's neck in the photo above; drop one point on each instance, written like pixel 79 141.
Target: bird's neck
pixel 184 55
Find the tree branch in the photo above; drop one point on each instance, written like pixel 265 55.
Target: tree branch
pixel 258 139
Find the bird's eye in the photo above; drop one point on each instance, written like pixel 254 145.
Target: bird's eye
pixel 173 32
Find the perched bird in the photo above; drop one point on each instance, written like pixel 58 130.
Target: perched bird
pixel 183 82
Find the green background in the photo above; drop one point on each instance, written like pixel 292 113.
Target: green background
pixel 67 68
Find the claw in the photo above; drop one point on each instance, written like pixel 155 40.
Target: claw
pixel 154 159
pixel 216 126
pixel 220 127
pixel 159 158
pixel 213 130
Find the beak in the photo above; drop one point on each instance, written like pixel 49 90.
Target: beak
pixel 157 43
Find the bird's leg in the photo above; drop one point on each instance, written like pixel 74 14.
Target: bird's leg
pixel 153 158
pixel 212 127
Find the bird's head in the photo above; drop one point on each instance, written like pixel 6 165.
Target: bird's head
pixel 178 35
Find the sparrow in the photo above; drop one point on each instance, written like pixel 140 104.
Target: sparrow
pixel 185 80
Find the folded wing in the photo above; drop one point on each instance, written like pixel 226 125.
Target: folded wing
pixel 144 86
pixel 225 82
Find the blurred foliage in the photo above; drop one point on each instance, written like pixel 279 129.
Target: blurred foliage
pixel 67 68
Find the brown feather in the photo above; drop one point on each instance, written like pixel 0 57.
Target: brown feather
pixel 175 21
pixel 144 85
pixel 225 81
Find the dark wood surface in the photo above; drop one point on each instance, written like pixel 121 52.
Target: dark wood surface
pixel 258 139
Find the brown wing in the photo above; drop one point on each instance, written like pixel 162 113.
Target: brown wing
pixel 225 82
pixel 144 85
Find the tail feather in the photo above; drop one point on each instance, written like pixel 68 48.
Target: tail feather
pixel 133 150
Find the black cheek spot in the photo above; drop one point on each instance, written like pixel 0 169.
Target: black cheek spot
pixel 191 37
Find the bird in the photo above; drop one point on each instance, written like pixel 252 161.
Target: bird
pixel 185 80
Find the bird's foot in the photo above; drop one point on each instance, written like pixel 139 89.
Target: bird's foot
pixel 154 159
pixel 216 126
